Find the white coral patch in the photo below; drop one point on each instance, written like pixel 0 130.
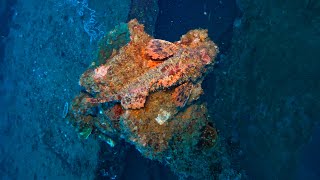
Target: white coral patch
pixel 101 71
pixel 163 116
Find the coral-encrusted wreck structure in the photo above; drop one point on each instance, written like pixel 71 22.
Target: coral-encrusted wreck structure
pixel 146 91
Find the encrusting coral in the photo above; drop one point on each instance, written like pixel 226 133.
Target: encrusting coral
pixel 147 93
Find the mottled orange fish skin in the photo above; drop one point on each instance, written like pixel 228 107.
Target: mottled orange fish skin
pixel 159 49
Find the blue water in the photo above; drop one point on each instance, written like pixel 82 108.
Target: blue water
pixel 263 95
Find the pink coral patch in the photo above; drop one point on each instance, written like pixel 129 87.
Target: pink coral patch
pixel 206 59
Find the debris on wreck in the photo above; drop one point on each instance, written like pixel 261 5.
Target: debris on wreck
pixel 147 93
